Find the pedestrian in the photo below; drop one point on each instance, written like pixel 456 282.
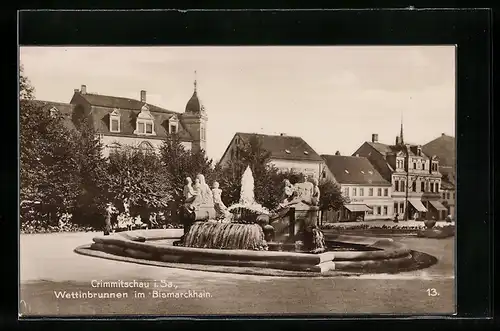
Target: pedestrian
pixel 396 220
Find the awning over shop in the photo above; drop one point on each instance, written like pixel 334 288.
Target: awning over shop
pixel 417 204
pixel 438 205
pixel 357 207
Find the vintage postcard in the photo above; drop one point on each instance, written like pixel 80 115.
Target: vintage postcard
pixel 174 181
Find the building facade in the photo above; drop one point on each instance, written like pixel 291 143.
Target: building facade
pixel 288 153
pixel 122 122
pixel 444 148
pixel 414 175
pixel 368 193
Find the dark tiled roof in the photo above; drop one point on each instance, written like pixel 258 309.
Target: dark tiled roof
pixel 284 147
pixel 65 109
pixel 444 148
pixel 353 170
pixel 119 102
pixel 104 105
pixel 446 185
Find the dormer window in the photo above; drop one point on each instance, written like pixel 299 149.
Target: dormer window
pixel 145 122
pixel 287 151
pixel 173 125
pixel 306 152
pixel 114 121
pixel 419 151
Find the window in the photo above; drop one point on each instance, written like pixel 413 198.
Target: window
pixel 402 208
pixel 423 166
pixel 173 128
pixel 379 192
pixel 140 127
pixel 379 210
pixel 396 185
pixel 115 125
pixel 386 192
pixel 346 191
pixel 414 187
pixel 453 195
pixel 361 192
pixel 385 210
pixel 403 186
pixel 114 121
pixel 432 187
pixel 414 165
pixel 395 207
pixel 444 195
pixel 354 191
pixel 422 186
pixel 149 128
pixel 370 192
pixel 448 195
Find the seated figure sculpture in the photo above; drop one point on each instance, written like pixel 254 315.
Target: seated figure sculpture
pixel 220 209
pixel 198 203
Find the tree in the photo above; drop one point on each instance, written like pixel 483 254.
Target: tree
pixel 180 163
pixel 91 201
pixel 26 90
pixel 49 169
pixel 331 197
pixel 267 179
pixel 139 177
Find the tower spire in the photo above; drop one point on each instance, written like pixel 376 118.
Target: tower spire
pixel 195 82
pixel 401 133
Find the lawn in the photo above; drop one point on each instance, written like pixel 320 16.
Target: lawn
pixel 48 265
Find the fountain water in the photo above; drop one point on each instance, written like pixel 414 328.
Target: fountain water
pixel 247 196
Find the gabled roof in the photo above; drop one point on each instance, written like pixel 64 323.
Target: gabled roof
pixel 284 147
pixel 386 150
pixel 353 170
pixel 444 147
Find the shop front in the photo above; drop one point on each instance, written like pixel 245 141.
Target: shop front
pixel 353 212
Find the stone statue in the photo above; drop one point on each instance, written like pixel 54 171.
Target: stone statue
pixel 316 192
pixel 289 191
pixel 220 209
pixel 206 193
pixel 189 193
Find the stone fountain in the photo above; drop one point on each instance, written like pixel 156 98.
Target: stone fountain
pixel 250 236
pixel 249 225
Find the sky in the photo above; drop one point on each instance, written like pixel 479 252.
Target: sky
pixel 333 97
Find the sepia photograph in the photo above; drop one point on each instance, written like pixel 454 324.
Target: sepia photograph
pixel 209 180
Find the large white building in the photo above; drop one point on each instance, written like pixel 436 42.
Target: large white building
pixel 369 195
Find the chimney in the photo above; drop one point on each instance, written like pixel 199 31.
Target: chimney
pixel 337 153
pixel 143 96
pixel 83 90
pixel 398 140
pixel 442 134
pixel 77 90
pixel 374 138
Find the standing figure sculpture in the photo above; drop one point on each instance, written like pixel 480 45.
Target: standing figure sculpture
pixel 189 193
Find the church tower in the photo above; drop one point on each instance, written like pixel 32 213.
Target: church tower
pixel 195 121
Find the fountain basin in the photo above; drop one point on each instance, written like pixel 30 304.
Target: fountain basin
pixel 156 246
